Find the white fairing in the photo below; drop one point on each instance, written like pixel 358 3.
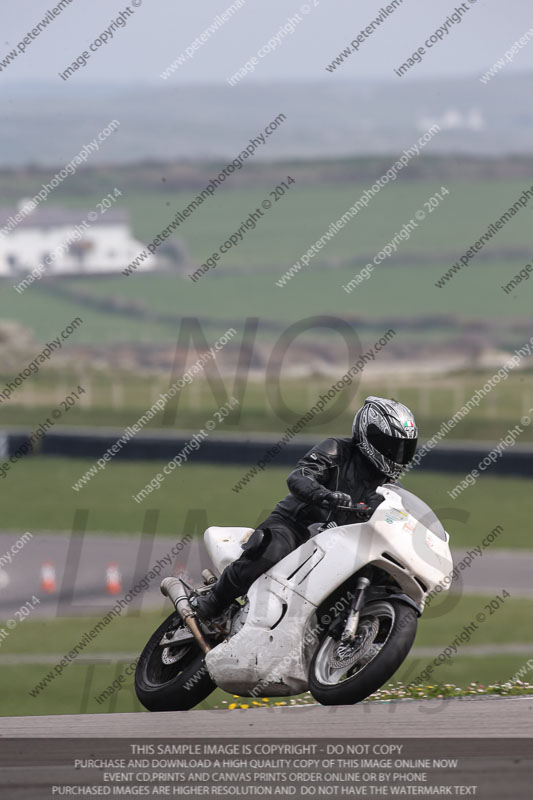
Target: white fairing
pixel 270 653
pixel 224 545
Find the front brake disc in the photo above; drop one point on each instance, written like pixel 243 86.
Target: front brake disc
pixel 347 654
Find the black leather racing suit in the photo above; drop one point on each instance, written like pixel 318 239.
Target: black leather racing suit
pixel 334 465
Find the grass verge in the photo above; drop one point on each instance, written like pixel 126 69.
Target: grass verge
pixel 207 491
pixel 79 688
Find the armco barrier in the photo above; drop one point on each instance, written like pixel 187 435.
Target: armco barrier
pixel 247 449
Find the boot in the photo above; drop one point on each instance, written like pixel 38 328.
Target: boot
pixel 211 604
pixel 207 606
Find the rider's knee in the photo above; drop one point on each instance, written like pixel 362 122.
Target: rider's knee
pixel 276 549
pixel 257 543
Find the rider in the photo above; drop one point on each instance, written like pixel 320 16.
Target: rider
pixel 336 472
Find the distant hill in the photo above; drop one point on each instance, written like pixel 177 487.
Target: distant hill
pixel 330 118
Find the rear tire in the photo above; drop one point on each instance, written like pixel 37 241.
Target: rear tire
pixel 176 686
pixel 391 644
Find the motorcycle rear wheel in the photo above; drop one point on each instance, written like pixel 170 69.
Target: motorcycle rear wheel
pixel 180 683
pixel 386 633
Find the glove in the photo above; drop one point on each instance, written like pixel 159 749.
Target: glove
pixel 336 499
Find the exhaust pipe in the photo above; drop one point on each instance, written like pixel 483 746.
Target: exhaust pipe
pixel 174 589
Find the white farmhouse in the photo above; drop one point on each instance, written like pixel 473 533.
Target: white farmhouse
pixel 50 240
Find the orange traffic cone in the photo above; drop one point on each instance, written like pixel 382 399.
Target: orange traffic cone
pixel 113 582
pixel 48 577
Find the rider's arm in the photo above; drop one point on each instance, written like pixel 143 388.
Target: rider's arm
pixel 314 469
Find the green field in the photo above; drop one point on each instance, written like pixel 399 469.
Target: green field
pixel 305 212
pixel 196 496
pixel 76 689
pixel 117 399
pixel 244 282
pixel 228 299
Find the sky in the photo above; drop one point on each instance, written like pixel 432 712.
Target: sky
pixel 158 31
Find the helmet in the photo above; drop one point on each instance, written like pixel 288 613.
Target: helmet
pixel 386 432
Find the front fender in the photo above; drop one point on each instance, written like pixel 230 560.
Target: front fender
pixel 403 598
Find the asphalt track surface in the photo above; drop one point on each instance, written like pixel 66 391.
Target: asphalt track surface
pixel 482 717
pixel 80 564
pixel 491 737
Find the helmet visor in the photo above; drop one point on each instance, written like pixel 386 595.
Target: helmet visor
pixel 397 449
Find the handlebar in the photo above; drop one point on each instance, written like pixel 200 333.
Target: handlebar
pixel 361 514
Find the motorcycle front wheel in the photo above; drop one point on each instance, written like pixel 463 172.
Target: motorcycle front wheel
pixel 344 674
pixel 172 677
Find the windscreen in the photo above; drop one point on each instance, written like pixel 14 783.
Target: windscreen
pixel 419 510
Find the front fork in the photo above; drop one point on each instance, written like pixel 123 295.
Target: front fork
pixel 352 622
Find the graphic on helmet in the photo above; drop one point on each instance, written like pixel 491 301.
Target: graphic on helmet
pixel 386 433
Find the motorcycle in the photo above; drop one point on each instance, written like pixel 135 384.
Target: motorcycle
pixel 336 617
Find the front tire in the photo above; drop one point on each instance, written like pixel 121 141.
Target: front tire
pixel 172 678
pixel 386 633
